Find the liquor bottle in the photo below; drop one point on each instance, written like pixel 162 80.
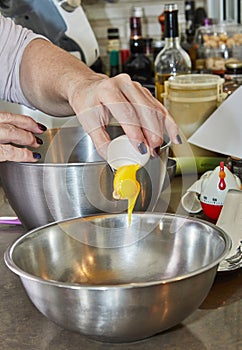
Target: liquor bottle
pixel 114 63
pixel 172 59
pixel 113 42
pixel 138 11
pixel 190 24
pixel 138 66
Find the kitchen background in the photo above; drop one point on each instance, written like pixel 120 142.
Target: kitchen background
pixel 104 14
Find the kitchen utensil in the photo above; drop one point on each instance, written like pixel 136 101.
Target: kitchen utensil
pixel 72 180
pixel 116 282
pixel 63 22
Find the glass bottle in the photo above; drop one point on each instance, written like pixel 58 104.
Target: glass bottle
pixel 138 11
pixel 189 16
pixel 113 42
pixel 114 63
pixel 172 59
pixel 138 66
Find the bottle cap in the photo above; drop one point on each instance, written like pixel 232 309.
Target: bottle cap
pixel 170 7
pixel 137 11
pixel 121 152
pixel 113 33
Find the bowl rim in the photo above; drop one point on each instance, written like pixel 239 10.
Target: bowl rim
pixel 22 274
pixel 41 163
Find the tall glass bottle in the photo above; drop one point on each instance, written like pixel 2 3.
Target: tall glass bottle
pixel 138 65
pixel 172 59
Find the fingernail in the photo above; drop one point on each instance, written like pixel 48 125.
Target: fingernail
pixel 42 127
pixel 39 141
pixel 36 155
pixel 178 137
pixel 142 148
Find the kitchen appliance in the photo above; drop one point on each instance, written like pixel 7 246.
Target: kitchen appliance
pixel 211 188
pixel 118 283
pixel 72 180
pixel 64 22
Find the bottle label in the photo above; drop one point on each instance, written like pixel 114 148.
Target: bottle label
pixel 113 44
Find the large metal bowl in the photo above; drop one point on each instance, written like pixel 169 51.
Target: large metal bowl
pixel 72 180
pixel 115 282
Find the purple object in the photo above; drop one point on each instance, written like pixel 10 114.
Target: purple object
pixel 10 220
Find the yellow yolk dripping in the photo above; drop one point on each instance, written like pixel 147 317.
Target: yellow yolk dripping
pixel 126 186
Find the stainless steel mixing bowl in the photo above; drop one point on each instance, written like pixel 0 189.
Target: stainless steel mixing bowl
pixel 115 282
pixel 72 180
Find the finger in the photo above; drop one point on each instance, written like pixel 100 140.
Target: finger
pixel 126 115
pixel 15 154
pixel 22 122
pixel 172 129
pixel 11 134
pixel 163 116
pixel 121 109
pixel 155 119
pixel 140 121
pixel 94 122
pixel 101 141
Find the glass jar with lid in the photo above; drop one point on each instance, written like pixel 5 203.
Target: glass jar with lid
pixel 232 76
pixel 217 45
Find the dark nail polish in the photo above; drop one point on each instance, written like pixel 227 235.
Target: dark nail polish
pixel 178 137
pixel 42 127
pixel 142 148
pixel 36 155
pixel 39 141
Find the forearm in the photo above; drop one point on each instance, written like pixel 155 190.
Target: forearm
pixel 49 77
pixel 59 84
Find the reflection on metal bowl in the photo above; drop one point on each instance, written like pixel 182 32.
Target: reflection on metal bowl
pixel 115 282
pixel 72 180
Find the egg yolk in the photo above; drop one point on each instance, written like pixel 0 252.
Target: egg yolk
pixel 126 186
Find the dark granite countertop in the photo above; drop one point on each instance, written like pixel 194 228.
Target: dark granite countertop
pixel 217 324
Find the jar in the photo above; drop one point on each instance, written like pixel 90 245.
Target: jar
pixel 191 99
pixel 235 166
pixel 232 76
pixel 218 45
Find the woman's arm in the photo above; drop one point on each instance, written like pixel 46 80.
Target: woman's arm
pixel 57 83
pixel 36 73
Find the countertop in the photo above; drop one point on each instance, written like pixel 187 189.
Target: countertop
pixel 216 324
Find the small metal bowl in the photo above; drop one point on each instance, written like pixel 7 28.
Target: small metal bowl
pixel 72 180
pixel 119 283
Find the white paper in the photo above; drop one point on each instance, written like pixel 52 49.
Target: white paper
pixel 222 131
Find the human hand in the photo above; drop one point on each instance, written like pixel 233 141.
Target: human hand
pixel 19 130
pixel 143 118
